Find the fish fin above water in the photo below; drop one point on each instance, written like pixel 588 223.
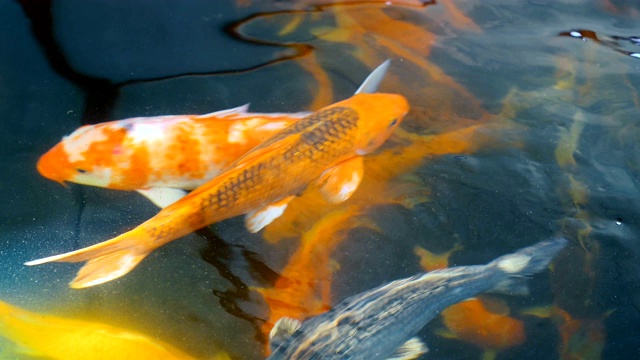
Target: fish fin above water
pixel 256 220
pixel 107 260
pixel 240 110
pixel 412 349
pixel 338 183
pixel 162 196
pixel 282 330
pixel 371 84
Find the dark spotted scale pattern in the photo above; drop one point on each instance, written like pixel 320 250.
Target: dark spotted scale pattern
pixel 322 140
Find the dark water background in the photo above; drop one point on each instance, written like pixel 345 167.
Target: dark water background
pixel 573 170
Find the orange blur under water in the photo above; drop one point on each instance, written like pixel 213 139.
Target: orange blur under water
pixel 324 146
pixel 303 289
pixel 371 32
pixel 472 322
pixel 582 339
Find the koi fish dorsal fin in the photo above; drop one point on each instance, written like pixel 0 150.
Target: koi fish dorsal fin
pixel 412 349
pixel 282 330
pixel 240 110
pixel 372 82
pixel 338 183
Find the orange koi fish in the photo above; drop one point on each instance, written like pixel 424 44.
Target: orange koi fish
pixel 472 321
pixel 54 337
pixel 161 156
pixel 325 147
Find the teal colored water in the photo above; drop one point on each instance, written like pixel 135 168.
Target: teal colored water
pixel 527 118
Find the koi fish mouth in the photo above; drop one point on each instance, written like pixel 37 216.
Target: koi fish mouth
pixel 54 166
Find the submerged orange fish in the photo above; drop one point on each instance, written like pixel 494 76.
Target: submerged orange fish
pixel 582 339
pixel 303 289
pixel 471 320
pixel 54 337
pixel 474 323
pixel 325 147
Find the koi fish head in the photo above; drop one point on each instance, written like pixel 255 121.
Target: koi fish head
pixel 379 116
pixel 84 157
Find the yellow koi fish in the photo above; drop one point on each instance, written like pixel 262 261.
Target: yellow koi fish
pixel 325 147
pixel 55 337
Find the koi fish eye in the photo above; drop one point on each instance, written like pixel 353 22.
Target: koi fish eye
pixel 81 171
pixel 393 122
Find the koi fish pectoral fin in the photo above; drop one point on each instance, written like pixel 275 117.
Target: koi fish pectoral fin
pixel 412 349
pixel 162 196
pixel 338 183
pixel 256 220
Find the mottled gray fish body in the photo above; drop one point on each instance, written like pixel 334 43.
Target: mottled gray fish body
pixel 376 323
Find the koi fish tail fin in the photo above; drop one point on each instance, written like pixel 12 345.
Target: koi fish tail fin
pixel 524 263
pixel 106 261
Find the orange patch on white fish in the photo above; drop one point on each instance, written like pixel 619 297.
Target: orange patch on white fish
pixel 278 168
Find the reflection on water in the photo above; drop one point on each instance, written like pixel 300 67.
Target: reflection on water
pixel 523 125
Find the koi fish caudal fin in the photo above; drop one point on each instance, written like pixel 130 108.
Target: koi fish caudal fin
pixel 107 261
